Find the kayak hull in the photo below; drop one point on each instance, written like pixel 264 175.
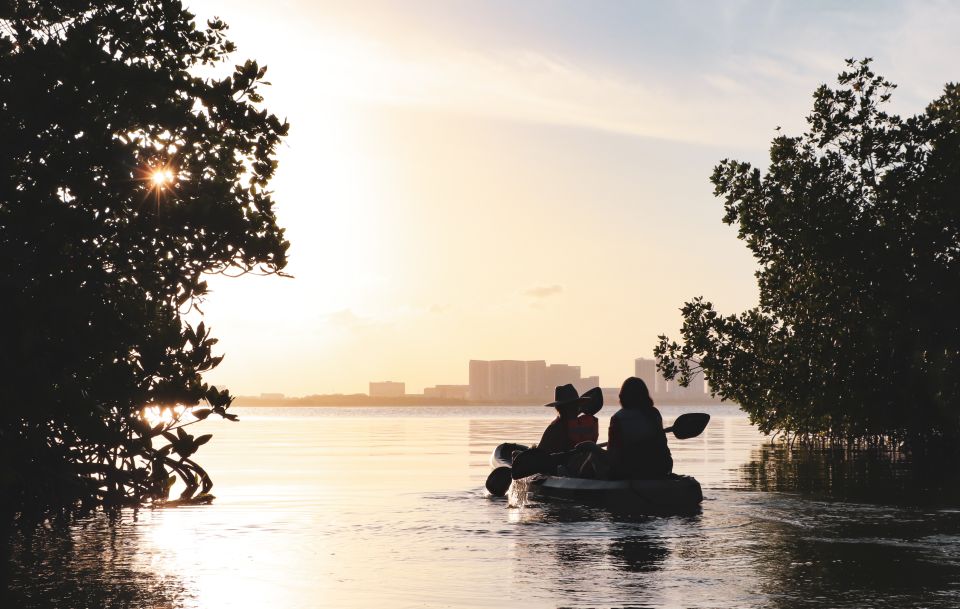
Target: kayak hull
pixel 674 495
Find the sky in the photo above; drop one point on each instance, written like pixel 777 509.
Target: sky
pixel 523 180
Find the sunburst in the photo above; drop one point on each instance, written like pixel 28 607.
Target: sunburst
pixel 162 177
pixel 159 179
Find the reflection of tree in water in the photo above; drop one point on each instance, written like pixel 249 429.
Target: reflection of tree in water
pixel 86 565
pixel 854 475
pixel 845 529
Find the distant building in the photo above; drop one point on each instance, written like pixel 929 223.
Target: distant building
pixel 536 380
pixel 508 379
pixel 387 389
pixel 646 370
pixel 561 374
pixel 587 383
pixel 699 384
pixel 479 380
pixel 272 396
pixel 695 389
pixel 447 392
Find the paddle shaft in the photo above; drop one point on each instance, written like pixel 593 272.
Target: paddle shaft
pixel 690 428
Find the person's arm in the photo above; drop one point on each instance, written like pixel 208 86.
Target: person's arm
pixel 554 437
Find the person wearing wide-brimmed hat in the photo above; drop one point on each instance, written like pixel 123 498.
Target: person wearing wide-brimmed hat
pixel 571 427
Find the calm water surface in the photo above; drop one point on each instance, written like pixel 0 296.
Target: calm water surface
pixel 385 507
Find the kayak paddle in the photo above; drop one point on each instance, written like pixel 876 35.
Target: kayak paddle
pixel 498 482
pixel 689 425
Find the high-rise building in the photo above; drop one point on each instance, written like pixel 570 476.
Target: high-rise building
pixel 535 385
pixel 389 389
pixel 586 383
pixel 508 379
pixel 479 380
pixel 561 374
pixel 663 386
pixel 695 389
pixel 698 385
pixel 501 380
pixel 646 370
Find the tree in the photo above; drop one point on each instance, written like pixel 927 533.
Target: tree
pixel 126 176
pixel 856 229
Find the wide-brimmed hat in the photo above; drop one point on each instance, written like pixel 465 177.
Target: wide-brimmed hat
pixel 566 395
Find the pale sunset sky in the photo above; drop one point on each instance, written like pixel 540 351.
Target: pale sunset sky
pixel 519 179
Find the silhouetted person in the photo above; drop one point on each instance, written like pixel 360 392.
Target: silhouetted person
pixel 569 429
pixel 638 445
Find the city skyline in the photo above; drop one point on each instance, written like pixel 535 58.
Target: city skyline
pixel 522 379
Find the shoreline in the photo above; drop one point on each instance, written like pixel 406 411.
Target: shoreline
pixel 414 401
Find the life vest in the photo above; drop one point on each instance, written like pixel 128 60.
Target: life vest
pixel 584 428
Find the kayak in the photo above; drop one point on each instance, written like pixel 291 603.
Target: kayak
pixel 674 495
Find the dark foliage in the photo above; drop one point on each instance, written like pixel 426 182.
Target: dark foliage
pixel 100 264
pixel 856 228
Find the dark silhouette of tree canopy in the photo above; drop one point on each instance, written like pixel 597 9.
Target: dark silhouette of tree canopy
pixel 856 229
pixel 127 173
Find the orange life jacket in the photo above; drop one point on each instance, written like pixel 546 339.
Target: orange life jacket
pixel 584 428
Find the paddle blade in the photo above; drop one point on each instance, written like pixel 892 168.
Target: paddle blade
pixel 595 403
pixel 530 462
pixel 498 482
pixel 689 425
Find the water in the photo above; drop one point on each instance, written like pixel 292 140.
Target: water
pixel 384 507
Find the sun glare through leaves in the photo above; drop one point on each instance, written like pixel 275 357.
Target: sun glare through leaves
pixel 162 177
pixel 159 180
pixel 155 415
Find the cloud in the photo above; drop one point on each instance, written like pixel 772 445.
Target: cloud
pixel 546 291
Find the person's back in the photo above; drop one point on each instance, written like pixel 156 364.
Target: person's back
pixel 638 445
